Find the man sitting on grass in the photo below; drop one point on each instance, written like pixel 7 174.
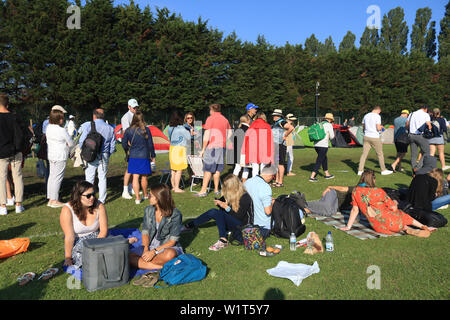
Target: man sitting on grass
pixel 261 193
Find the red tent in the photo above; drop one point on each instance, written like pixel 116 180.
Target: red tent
pixel 160 141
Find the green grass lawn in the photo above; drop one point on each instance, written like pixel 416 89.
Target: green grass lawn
pixel 411 268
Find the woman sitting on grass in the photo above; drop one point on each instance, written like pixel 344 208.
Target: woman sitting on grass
pixel 234 210
pixel 160 232
pixel 381 211
pixel 83 217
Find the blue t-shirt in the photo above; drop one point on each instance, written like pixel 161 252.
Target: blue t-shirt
pixel 179 136
pixel 399 126
pixel 261 194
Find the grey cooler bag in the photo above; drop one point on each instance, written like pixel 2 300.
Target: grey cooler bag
pixel 105 263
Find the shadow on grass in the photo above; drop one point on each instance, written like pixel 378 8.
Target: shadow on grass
pixel 351 164
pixel 274 294
pixel 34 290
pixel 15 232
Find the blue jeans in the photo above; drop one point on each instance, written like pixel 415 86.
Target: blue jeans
pixel 102 165
pixel 225 222
pixel 439 202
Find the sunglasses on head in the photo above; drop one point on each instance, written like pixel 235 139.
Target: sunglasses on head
pixel 89 195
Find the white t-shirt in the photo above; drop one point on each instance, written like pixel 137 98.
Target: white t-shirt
pixel 329 134
pixel 417 119
pixel 370 122
pixel 126 120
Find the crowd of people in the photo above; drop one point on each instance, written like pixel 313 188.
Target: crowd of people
pixel 261 154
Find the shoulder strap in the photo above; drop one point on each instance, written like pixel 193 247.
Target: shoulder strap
pixel 93 128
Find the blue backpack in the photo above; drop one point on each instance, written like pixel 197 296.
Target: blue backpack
pixel 183 269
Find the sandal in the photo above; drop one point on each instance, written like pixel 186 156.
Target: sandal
pixel 48 273
pixel 151 279
pixel 27 277
pixel 201 195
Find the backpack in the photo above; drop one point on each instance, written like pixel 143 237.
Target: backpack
pixel 316 132
pixel 91 145
pixel 105 263
pixel 182 269
pixel 43 147
pixel 252 238
pixel 285 218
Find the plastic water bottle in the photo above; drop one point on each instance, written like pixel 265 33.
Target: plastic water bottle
pixel 329 245
pixel 292 242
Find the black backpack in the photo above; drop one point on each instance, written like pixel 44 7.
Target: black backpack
pixel 285 218
pixel 92 145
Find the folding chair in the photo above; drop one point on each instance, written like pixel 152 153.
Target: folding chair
pixel 168 173
pixel 196 164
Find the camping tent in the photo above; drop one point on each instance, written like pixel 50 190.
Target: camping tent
pixel 387 136
pixel 343 137
pixel 160 141
pixel 358 133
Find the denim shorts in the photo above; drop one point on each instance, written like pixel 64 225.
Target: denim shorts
pixel 214 160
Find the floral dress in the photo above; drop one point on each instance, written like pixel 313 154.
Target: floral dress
pixel 387 217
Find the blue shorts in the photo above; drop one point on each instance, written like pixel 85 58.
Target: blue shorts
pixel 214 160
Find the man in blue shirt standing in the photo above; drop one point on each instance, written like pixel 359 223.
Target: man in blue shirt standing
pixel 261 193
pixel 108 148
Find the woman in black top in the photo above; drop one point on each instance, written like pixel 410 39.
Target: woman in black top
pixel 438 143
pixel 234 210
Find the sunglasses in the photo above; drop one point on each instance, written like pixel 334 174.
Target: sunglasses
pixel 189 118
pixel 89 195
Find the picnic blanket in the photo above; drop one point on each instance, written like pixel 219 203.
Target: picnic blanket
pixel 361 229
pixel 126 233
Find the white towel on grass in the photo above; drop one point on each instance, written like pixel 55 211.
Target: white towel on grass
pixel 295 272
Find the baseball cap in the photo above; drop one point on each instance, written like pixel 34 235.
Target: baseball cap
pixel 405 111
pixel 59 108
pixel 133 103
pixel 71 117
pixel 251 106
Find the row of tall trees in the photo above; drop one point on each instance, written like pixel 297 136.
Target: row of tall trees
pixel 167 63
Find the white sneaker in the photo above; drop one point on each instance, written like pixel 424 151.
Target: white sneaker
pixel 360 173
pixel 445 168
pixel 137 201
pixel 126 195
pixel 20 209
pixel 10 202
pixel 443 207
pixel 386 172
pixel 3 211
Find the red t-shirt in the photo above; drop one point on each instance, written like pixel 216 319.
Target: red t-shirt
pixel 218 126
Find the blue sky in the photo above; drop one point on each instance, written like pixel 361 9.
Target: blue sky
pixel 291 20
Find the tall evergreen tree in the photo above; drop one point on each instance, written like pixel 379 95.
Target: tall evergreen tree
pixel 444 34
pixel 419 30
pixel 312 45
pixel 348 42
pixel 370 38
pixel 327 47
pixel 430 40
pixel 394 31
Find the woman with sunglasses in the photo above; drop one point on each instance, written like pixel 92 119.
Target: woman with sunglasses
pixel 381 211
pixel 189 120
pixel 83 217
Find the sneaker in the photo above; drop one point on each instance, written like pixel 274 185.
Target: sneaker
pixel 360 173
pixel 10 202
pixel 445 168
pixel 137 201
pixel 126 195
pixel 386 172
pixel 329 177
pixel 218 245
pixel 313 179
pixel 443 207
pixel 3 211
pixel 20 209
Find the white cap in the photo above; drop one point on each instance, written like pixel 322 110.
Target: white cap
pixel 57 107
pixel 71 117
pixel 133 103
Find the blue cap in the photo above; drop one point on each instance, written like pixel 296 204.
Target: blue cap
pixel 251 106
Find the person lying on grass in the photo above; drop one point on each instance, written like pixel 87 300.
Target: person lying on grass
pixel 381 211
pixel 160 231
pixel 234 210
pixel 83 217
